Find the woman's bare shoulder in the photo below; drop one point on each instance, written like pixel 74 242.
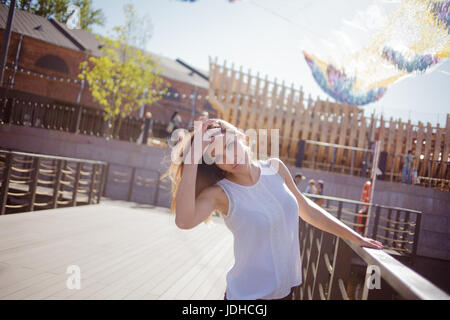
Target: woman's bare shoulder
pixel 280 168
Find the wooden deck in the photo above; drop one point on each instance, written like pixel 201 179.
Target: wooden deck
pixel 124 251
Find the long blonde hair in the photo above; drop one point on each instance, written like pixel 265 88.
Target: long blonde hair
pixel 207 174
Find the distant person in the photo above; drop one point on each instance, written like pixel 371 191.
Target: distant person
pixel 319 191
pixel 146 128
pixel 362 214
pixel 407 165
pixel 174 123
pixel 319 187
pixel 203 115
pixel 298 178
pixel 311 188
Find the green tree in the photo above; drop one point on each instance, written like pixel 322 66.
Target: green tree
pixel 59 9
pixel 123 77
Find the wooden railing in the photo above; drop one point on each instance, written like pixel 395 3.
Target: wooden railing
pixel 32 182
pixel 135 184
pixel 335 269
pixel 26 109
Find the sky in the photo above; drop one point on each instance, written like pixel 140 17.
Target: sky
pixel 268 36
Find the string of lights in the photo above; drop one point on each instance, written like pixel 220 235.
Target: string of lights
pixel 175 95
pixel 77 82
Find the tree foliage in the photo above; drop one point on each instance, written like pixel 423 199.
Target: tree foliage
pixel 124 77
pixel 59 9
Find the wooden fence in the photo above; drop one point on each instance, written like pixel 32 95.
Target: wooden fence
pixel 134 184
pixel 22 108
pixel 250 102
pixel 32 182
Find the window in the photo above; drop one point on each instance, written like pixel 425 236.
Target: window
pixel 53 63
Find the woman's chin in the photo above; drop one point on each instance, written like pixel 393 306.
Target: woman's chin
pixel 236 167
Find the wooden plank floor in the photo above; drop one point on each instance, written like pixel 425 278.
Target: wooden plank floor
pixel 124 251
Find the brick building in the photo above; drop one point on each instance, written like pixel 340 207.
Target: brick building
pixel 44 57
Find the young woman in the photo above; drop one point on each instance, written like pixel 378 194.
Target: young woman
pixel 260 205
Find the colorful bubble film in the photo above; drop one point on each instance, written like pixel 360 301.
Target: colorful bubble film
pixel 414 38
pixel 420 62
pixel 340 87
pixel 441 10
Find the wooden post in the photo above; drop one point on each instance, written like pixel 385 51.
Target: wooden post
pixel 394 237
pixel 5 182
pixel 406 227
pixel 91 185
pixel 240 121
pixel 341 271
pixel 6 39
pixel 75 184
pixel 352 162
pixel 76 124
pixel 312 262
pixel 130 189
pixel 376 222
pixel 388 223
pixel 102 186
pixel 373 179
pixel 339 213
pixel 416 234
pixel 324 267
pixel 356 216
pixel 158 182
pixel 57 184
pixel 34 181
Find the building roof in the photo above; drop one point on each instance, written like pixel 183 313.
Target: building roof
pixel 36 27
pixel 172 69
pixel 57 33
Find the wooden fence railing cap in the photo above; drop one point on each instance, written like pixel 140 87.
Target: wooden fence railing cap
pixel 408 283
pixel 51 157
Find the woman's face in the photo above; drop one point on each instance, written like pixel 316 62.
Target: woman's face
pixel 230 154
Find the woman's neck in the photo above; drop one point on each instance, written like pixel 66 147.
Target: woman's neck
pixel 248 176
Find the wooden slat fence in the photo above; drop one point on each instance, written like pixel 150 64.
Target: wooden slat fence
pixel 32 182
pixel 251 102
pixel 22 108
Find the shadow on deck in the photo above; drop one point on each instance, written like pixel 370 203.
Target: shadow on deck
pixel 124 250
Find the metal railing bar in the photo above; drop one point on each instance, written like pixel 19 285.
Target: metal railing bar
pixel 394 230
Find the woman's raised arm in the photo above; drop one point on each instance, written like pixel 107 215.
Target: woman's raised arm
pixel 189 210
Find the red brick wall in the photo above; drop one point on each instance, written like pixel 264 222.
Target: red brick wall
pixel 57 87
pixel 31 51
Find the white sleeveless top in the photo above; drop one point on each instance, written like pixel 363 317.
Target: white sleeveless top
pixel 264 221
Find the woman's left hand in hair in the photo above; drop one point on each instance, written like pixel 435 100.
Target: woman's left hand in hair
pixel 369 243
